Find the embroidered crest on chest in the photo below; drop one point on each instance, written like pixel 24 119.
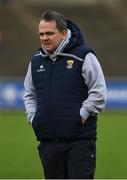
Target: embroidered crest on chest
pixel 70 63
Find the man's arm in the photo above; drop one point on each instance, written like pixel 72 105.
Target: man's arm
pixel 29 96
pixel 95 81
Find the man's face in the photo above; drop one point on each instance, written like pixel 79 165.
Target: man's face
pixel 50 36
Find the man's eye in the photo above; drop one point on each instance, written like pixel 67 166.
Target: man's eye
pixel 41 34
pixel 47 34
pixel 50 33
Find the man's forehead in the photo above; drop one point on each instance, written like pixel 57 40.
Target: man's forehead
pixel 44 23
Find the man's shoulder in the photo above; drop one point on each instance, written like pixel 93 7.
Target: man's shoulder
pixel 81 51
pixel 35 55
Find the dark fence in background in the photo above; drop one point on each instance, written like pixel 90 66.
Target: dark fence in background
pixel 104 26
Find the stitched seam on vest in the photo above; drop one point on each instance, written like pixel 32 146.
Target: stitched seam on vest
pixel 70 55
pixel 40 54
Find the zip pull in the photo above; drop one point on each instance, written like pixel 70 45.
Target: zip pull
pixel 53 59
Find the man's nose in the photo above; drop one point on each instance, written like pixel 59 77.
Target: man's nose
pixel 45 37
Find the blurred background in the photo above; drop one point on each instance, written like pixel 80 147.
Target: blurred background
pixel 105 28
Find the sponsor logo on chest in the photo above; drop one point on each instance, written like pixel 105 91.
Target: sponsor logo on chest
pixel 41 68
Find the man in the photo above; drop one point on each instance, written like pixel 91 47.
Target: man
pixel 64 91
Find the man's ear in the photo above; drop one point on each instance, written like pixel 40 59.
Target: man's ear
pixel 64 33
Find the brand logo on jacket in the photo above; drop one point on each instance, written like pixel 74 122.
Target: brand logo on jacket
pixel 70 63
pixel 41 68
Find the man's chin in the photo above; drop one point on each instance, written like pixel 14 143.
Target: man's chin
pixel 48 50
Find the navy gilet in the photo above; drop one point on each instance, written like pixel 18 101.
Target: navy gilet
pixel 60 91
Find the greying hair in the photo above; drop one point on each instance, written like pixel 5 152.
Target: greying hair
pixel 51 15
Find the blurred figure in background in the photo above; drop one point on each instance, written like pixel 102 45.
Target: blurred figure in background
pixel 64 91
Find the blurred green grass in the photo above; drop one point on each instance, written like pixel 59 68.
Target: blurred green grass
pixel 18 153
pixel 19 156
pixel 112 145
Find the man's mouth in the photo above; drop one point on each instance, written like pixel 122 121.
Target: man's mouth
pixel 47 44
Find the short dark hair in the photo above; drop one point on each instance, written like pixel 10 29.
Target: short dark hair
pixel 50 15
